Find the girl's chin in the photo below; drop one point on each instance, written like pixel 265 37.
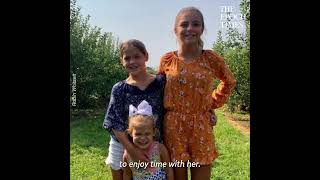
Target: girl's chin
pixel 133 71
pixel 144 146
pixel 190 41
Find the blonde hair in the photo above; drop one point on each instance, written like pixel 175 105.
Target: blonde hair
pixel 191 8
pixel 140 118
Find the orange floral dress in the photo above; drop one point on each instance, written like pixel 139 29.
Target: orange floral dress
pixel 189 98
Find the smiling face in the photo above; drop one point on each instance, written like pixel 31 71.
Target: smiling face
pixel 189 26
pixel 133 57
pixel 142 131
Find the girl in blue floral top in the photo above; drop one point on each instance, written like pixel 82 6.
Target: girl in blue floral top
pixel 139 86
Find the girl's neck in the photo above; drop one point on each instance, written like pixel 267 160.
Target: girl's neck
pixel 148 149
pixel 189 52
pixel 141 81
pixel 141 77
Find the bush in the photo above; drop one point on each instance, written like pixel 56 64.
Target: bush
pixel 94 59
pixel 236 52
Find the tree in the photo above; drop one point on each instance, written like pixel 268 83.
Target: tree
pixel 94 59
pixel 236 52
pixel 151 70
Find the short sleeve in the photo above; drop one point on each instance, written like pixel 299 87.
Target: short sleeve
pixel 115 116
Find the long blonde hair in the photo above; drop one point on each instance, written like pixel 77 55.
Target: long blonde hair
pixel 191 8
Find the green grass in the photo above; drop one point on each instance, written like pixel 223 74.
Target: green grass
pixel 89 149
pixel 234 152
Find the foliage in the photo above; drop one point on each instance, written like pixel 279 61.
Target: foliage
pixel 94 60
pixel 235 49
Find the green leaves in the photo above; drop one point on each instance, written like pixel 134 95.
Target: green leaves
pixel 236 51
pixel 94 58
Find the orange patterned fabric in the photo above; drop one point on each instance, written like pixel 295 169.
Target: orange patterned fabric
pixel 188 98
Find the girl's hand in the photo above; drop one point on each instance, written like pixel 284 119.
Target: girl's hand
pixel 213 118
pixel 135 153
pixel 127 173
pixel 138 155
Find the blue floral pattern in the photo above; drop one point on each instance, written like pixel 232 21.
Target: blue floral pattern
pixel 123 94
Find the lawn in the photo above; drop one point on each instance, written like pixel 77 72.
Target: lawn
pixel 88 149
pixel 88 142
pixel 234 152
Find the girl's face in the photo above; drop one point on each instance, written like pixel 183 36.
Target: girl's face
pixel 142 134
pixel 133 60
pixel 189 27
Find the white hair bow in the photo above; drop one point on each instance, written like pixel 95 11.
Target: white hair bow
pixel 143 108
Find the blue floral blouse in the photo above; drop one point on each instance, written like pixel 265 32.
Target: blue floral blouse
pixel 123 94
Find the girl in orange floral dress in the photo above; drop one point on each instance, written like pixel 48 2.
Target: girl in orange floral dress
pixel 190 98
